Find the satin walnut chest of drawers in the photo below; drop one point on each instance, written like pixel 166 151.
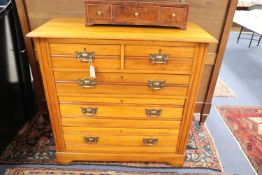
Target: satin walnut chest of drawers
pixel 139 107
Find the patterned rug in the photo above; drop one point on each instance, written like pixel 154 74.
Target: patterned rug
pixel 246 125
pixel 35 144
pixel 40 171
pixel 223 90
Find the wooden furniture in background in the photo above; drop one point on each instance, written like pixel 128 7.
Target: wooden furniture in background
pixel 136 12
pixel 214 16
pixel 140 105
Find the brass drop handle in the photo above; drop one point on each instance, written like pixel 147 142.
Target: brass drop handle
pixel 99 13
pixel 153 113
pixel 156 85
pixel 150 141
pixel 87 83
pixel 85 56
pixel 89 111
pixel 158 58
pixel 91 140
pixel 136 14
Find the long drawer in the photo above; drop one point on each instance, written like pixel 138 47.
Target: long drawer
pixel 118 111
pixel 103 88
pixel 119 140
pixel 134 78
pixel 120 123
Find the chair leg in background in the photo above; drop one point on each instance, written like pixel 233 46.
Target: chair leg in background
pixel 251 39
pixel 259 41
pixel 241 30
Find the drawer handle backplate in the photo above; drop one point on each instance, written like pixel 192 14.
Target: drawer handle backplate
pixel 91 140
pixel 87 83
pixel 156 85
pixel 85 56
pixel 89 111
pixel 154 113
pixel 158 58
pixel 150 141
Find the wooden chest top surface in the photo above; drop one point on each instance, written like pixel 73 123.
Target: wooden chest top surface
pixel 75 28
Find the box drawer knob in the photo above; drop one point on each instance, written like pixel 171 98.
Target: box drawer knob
pixel 153 113
pixel 89 111
pixel 91 140
pixel 173 15
pixel 156 85
pixel 87 83
pixel 158 58
pixel 136 14
pixel 150 141
pixel 85 56
pixel 99 13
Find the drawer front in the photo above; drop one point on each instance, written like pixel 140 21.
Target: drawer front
pixel 173 52
pixel 127 78
pixel 98 12
pixel 119 111
pixel 102 63
pixel 118 123
pixel 174 15
pixel 100 88
pixel 132 100
pixel 177 59
pixel 135 14
pixel 69 50
pixel 98 142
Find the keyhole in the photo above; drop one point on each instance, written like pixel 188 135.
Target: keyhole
pixel 122 77
pixel 121 101
pixel 160 51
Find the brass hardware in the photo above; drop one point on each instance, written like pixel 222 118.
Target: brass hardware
pixel 150 141
pixel 173 15
pixel 89 111
pixel 85 56
pixel 154 113
pixel 99 13
pixel 136 14
pixel 92 140
pixel 158 58
pixel 87 83
pixel 156 85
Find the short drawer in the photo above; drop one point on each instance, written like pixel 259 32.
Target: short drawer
pixel 121 142
pixel 176 59
pixel 120 123
pixel 93 87
pixel 121 111
pixel 70 50
pixel 124 78
pixel 136 14
pixel 80 56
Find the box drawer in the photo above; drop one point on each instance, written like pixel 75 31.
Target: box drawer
pixel 120 111
pixel 98 12
pixel 135 14
pixel 120 142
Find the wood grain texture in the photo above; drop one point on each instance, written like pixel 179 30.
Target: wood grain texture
pixel 209 14
pixel 121 101
pixel 120 111
pixel 59 28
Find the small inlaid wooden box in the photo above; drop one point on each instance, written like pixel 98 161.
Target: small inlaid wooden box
pixel 137 12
